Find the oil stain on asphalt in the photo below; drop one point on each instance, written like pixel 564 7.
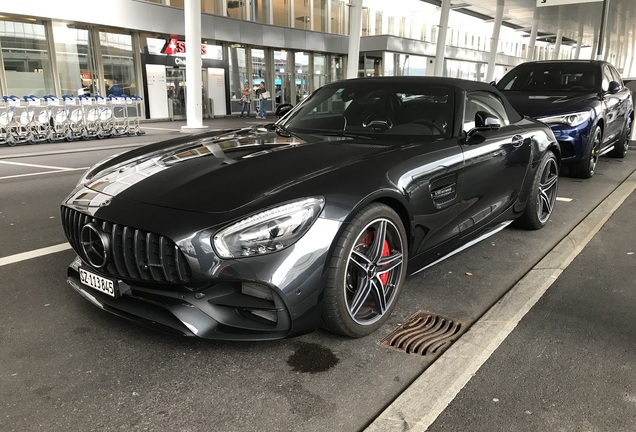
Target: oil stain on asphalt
pixel 312 358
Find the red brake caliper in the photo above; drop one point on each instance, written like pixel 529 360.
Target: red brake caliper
pixel 385 252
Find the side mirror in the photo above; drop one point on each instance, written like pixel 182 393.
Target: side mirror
pixel 485 120
pixel 613 87
pixel 283 109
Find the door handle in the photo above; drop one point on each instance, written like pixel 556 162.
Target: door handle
pixel 517 141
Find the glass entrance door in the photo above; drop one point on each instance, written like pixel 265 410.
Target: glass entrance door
pixel 284 89
pixel 176 87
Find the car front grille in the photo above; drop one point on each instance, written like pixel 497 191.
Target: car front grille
pixel 131 253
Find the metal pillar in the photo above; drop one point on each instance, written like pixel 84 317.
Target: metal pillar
pixel 355 12
pixel 494 42
pixel 557 44
pixel 601 33
pixel 194 94
pixel 441 37
pixel 533 35
pixel 579 42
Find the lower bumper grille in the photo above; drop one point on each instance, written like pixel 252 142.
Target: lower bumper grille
pixel 131 254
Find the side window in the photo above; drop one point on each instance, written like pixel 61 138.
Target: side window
pixel 616 76
pixel 483 101
pixel 607 77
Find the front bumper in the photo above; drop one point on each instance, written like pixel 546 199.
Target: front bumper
pixel 221 311
pixel 573 141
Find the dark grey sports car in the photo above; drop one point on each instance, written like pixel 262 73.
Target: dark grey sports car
pixel 317 219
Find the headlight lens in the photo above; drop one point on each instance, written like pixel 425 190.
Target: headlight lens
pixel 89 173
pixel 572 119
pixel 268 231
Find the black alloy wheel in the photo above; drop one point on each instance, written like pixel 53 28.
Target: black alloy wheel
pixel 366 273
pixel 543 196
pixel 585 169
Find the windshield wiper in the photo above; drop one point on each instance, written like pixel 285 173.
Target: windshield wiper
pixel 284 132
pixel 346 135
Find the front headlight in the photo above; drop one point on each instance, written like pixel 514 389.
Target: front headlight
pixel 572 119
pixel 89 173
pixel 268 231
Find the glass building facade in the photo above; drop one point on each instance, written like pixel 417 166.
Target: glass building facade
pixel 241 42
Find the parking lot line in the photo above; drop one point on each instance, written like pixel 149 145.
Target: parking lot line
pixel 33 254
pixel 37 166
pixel 43 172
pixel 428 396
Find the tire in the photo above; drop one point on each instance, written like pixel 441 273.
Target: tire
pixel 365 275
pixel 622 145
pixel 542 198
pixel 585 169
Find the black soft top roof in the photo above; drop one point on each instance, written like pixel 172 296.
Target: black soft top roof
pixel 457 83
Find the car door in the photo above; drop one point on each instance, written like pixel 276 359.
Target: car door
pixel 625 100
pixel 612 104
pixel 495 162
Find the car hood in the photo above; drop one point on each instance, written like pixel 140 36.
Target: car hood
pixel 536 104
pixel 221 173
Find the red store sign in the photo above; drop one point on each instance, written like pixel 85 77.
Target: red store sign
pixel 175 46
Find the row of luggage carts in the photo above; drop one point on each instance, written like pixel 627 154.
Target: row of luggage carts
pixel 32 119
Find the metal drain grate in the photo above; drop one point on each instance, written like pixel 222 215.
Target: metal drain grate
pixel 424 333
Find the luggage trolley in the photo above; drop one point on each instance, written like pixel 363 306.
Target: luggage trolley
pixel 6 120
pixel 75 118
pixel 58 119
pixel 15 121
pixel 90 117
pixel 119 120
pixel 39 126
pixel 133 125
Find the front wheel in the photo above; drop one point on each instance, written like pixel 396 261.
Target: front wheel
pixel 543 195
pixel 366 272
pixel 585 169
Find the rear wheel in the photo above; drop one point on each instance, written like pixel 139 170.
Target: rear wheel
pixel 585 169
pixel 543 195
pixel 366 273
pixel 622 146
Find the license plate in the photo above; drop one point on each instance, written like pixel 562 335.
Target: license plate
pixel 107 286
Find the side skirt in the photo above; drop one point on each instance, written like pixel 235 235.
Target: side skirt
pixel 494 230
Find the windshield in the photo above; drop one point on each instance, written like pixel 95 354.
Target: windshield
pixel 553 77
pixel 371 110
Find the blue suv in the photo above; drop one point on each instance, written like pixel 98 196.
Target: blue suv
pixel 585 104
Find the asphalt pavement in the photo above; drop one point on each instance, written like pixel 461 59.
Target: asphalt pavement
pixel 558 355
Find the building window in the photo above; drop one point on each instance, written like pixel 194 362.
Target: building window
pixel 283 64
pixel 301 68
pixel 119 64
pixel 75 59
pixel 337 16
pixel 320 16
pixel 302 14
pixel 237 55
pixel 26 58
pixel 281 12
pixel 320 71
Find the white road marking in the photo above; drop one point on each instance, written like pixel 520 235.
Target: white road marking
pixel 564 199
pixel 37 166
pixel 162 129
pixel 43 172
pixel 428 396
pixel 34 254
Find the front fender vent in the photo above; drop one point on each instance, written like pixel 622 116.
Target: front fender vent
pixel 444 189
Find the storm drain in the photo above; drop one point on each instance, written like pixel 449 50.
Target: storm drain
pixel 424 333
